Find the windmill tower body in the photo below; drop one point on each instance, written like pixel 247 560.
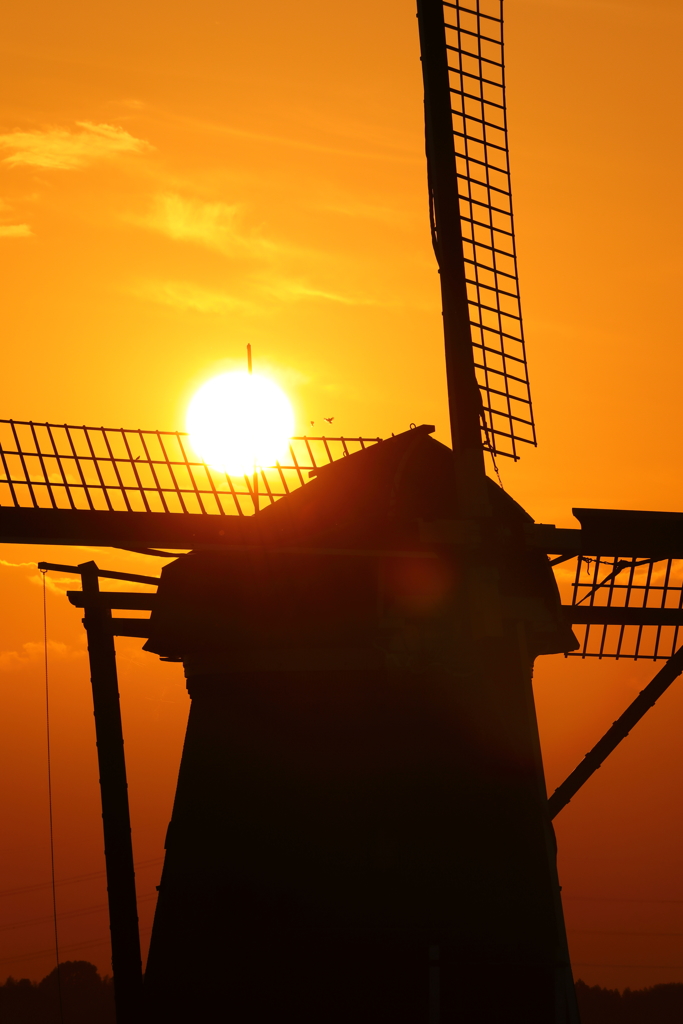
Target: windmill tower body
pixel 360 830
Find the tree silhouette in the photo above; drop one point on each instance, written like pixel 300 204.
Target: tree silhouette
pixel 661 1004
pixel 86 998
pixel 89 999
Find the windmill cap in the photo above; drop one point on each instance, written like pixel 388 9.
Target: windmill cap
pixel 424 428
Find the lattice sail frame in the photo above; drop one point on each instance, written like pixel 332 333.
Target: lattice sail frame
pixel 474 39
pixel 57 466
pixel 626 582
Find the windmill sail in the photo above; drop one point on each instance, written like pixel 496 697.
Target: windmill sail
pixel 65 484
pixel 472 222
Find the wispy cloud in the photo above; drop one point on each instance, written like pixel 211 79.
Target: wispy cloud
pixel 60 149
pixel 258 297
pixel 294 291
pixel 261 277
pixel 186 296
pixel 55 584
pixel 392 216
pixel 387 149
pixel 15 230
pixel 216 225
pixel 33 653
pixel 12 231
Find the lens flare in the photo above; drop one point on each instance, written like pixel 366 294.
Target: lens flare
pixel 240 422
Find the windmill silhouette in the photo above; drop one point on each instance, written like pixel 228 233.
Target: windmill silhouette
pixel 361 829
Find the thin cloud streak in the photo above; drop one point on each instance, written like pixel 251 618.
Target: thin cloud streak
pixel 187 296
pixel 60 149
pixel 391 216
pixel 15 231
pixel 184 295
pixel 300 143
pixel 293 291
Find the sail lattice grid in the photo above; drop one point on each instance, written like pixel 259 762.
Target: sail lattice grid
pixel 474 39
pixel 625 607
pixel 57 466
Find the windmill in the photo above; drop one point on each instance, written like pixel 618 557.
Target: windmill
pixel 360 827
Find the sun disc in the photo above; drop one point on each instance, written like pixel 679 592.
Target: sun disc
pixel 240 422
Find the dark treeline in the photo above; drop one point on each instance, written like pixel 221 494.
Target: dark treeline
pixel 86 998
pixel 661 1004
pixel 89 999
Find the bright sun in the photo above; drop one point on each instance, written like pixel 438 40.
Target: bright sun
pixel 240 422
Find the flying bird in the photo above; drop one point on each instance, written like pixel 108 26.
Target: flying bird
pixel 328 419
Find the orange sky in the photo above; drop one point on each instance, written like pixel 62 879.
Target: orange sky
pixel 178 180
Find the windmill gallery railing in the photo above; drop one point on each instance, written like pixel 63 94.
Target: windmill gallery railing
pixel 57 466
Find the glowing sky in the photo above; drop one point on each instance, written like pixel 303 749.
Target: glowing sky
pixel 177 180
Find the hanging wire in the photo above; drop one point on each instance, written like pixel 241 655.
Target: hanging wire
pixel 490 447
pixel 49 797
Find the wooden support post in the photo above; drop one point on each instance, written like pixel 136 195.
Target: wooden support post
pixel 118 847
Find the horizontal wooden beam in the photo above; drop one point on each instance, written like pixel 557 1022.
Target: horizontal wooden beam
pixel 130 627
pixel 83 527
pixel 595 615
pixel 112 599
pixel 604 532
